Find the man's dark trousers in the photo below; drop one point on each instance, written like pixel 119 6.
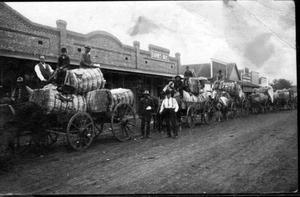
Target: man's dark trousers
pixel 171 122
pixel 146 118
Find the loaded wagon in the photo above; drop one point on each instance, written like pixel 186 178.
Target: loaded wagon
pixel 80 117
pixel 196 105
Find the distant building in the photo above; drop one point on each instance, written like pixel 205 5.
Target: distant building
pixel 210 70
pixel 263 81
pixel 254 77
pixel 245 74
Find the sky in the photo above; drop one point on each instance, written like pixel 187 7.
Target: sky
pixel 257 34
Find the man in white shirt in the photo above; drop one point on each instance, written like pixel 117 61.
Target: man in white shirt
pixel 170 107
pixel 43 70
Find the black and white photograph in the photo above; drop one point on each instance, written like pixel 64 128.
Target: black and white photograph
pixel 148 97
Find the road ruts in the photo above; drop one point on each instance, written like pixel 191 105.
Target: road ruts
pixel 257 153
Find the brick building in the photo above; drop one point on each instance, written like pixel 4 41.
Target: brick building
pixel 22 41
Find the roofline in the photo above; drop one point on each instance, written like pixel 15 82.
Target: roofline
pixel 18 14
pixel 218 60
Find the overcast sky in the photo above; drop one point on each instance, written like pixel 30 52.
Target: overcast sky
pixel 259 34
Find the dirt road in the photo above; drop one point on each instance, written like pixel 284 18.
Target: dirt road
pixel 257 153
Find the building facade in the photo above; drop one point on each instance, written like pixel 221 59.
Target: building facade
pixel 263 81
pixel 245 74
pixel 210 70
pixel 254 77
pixel 23 41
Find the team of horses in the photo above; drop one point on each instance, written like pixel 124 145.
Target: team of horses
pixel 236 103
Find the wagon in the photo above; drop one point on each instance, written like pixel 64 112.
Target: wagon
pixel 195 111
pixel 81 128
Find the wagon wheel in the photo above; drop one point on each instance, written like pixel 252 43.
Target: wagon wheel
pixel 80 131
pixel 123 122
pixel 208 114
pixel 190 116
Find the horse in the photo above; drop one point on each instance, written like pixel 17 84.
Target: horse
pixel 228 99
pixel 28 118
pixel 222 102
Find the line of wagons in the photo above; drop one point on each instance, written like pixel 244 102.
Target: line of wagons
pixel 83 117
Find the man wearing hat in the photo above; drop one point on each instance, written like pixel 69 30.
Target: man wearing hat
pixel 219 75
pixel 146 110
pixel 178 85
pixel 188 73
pixel 43 70
pixel 63 60
pixel 86 61
pixel 170 107
pixel 63 65
pixel 20 94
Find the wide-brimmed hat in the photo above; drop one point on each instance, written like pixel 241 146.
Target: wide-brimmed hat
pixel 146 92
pixel 87 47
pixel 178 76
pixel 20 79
pixel 63 50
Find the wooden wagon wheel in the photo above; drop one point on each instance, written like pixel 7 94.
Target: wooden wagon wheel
pixel 123 122
pixel 208 114
pixel 190 116
pixel 80 131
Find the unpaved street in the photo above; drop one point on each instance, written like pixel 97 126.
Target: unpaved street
pixel 257 153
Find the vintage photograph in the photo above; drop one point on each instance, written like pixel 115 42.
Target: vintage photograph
pixel 148 97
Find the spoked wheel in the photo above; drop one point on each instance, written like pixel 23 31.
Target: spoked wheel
pixel 80 131
pixel 190 117
pixel 123 122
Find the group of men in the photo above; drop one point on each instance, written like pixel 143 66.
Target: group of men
pixel 46 74
pixel 168 109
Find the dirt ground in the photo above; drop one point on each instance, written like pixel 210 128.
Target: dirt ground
pixel 257 153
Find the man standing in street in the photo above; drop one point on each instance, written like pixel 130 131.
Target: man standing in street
pixel 170 107
pixel 43 71
pixel 146 110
